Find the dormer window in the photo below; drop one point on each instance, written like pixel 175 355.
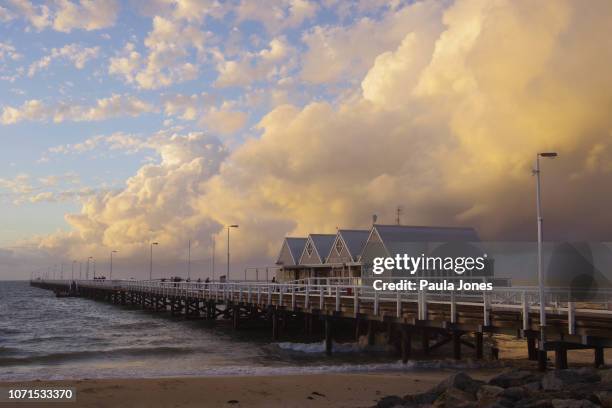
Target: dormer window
pixel 309 248
pixel 339 246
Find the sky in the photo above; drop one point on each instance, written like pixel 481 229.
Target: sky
pixel 128 122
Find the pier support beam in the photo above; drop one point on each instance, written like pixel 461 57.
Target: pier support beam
pixel 371 333
pixel 235 317
pixel 478 339
pixel 561 357
pixel 599 357
pixel 425 340
pixel 457 344
pixel 329 331
pixel 275 325
pixel 532 350
pixel 406 344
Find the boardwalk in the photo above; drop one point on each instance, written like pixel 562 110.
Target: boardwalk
pixel 433 319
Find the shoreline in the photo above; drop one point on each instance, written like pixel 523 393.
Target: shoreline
pixel 296 390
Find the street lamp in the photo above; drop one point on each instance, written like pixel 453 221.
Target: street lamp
pixel 111 263
pixel 228 248
pixel 72 274
pixel 151 261
pixel 542 355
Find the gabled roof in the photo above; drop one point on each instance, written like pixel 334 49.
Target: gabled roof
pixel 396 237
pixel 354 241
pixel 322 243
pixel 296 246
pixel 406 233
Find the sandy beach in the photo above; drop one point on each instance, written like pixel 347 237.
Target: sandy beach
pixel 322 390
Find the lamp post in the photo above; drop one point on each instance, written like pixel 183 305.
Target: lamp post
pixel 189 260
pixel 542 355
pixel 111 263
pixel 228 248
pixel 151 261
pixel 213 257
pixel 72 274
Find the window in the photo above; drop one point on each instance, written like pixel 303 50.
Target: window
pixel 339 246
pixel 309 248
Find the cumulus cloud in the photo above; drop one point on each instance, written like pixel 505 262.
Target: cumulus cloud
pixel 154 204
pixel 113 106
pixel 67 15
pixel 446 121
pixel 277 15
pixel 75 53
pixel 267 64
pixel 124 142
pixel 341 53
pixel 169 46
pixel 223 119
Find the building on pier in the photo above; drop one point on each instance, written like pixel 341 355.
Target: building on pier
pixel 349 253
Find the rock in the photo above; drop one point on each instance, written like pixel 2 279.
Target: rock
pixel 572 403
pixel 455 398
pixel 604 398
pixel 390 401
pixel 558 379
pixel 543 403
pixel 460 381
pixel 514 393
pixel 424 398
pixel 488 392
pixel 513 378
pixel 606 375
pixel 533 386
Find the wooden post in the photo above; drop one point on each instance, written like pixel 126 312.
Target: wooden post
pixel 357 327
pixel 371 334
pixel 599 357
pixel 236 317
pixel 532 350
pixel 479 345
pixel 275 325
pixel 425 340
pixel 406 344
pixel 328 335
pixel 561 357
pixel 456 344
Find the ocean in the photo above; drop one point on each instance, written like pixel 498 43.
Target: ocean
pixel 44 337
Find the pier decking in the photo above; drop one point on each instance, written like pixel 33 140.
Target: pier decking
pixel 434 319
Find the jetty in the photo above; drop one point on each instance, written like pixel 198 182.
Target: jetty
pixel 433 319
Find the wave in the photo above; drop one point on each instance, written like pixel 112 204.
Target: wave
pixel 95 354
pixel 316 348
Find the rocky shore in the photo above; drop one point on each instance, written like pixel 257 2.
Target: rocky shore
pixel 575 388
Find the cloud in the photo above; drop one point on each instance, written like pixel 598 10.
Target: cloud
pixel 105 108
pixel 126 143
pixel 345 53
pixel 169 47
pixel 9 52
pixel 67 15
pixel 225 119
pixel 277 16
pixel 267 64
pixel 76 54
pixel 154 204
pixel 446 121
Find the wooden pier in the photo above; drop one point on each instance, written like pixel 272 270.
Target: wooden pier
pixel 432 319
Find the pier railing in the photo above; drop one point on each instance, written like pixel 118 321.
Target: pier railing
pixel 345 296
